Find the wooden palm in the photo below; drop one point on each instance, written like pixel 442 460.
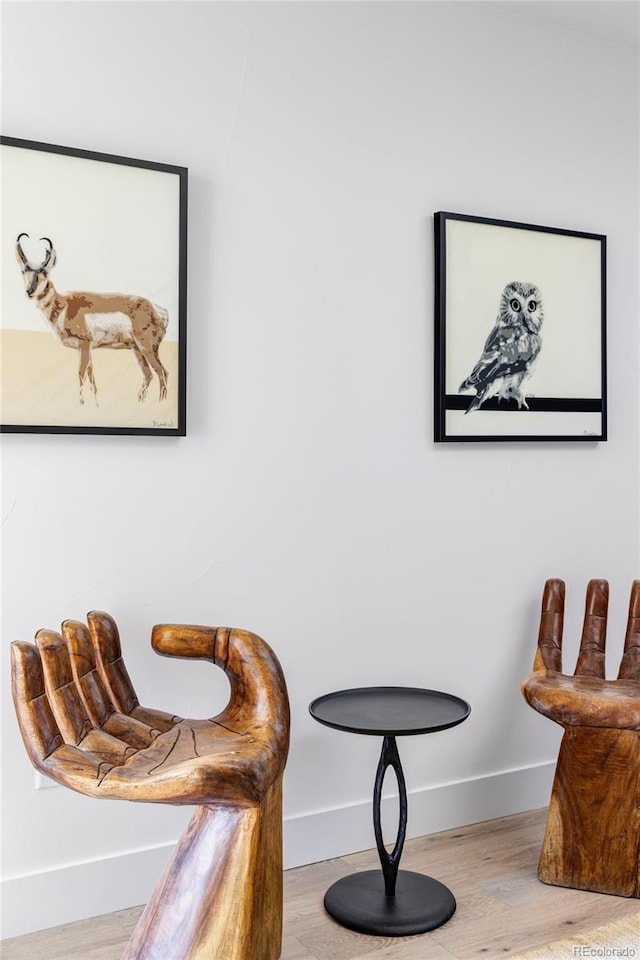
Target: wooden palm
pixel 592 839
pixel 82 725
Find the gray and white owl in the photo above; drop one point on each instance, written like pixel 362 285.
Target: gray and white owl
pixel 511 349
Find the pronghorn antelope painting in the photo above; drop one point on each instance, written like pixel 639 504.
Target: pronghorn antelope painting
pixel 87 321
pixel 112 223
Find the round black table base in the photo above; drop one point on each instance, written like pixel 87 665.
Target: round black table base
pixel 360 903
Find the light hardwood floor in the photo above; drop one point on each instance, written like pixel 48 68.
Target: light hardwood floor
pixel 491 867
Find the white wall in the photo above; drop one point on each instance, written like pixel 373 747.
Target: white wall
pixel 308 501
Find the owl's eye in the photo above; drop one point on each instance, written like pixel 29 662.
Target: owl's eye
pixel 515 305
pixel 532 305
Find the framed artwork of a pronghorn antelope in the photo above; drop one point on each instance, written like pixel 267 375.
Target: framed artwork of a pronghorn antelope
pixel 93 321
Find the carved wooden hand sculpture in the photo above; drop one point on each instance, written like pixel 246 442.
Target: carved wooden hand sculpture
pixel 592 840
pixel 221 895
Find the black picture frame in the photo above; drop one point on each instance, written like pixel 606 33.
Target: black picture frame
pixel 110 223
pixel 526 367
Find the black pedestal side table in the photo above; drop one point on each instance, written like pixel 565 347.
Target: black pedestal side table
pixel 391 903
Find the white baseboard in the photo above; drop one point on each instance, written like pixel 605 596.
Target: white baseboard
pixel 342 830
pixel 80 890
pixel 76 891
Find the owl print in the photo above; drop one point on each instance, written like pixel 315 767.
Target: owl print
pixel 511 350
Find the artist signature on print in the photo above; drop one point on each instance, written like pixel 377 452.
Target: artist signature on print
pixel 163 423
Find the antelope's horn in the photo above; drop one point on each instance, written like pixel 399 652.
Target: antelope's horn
pixel 19 249
pixel 49 252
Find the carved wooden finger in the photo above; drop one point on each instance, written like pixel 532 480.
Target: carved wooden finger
pixel 258 704
pixel 188 641
pixel 64 699
pixel 95 698
pixel 630 663
pixel 549 652
pixel 591 659
pixel 115 677
pixel 258 701
pixel 111 667
pixel 37 724
pixel 132 731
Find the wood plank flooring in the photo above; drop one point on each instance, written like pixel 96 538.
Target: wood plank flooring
pixel 503 909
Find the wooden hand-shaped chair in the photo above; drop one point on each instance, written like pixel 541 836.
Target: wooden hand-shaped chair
pixel 220 897
pixel 592 839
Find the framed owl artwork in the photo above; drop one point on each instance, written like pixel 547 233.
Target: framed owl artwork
pixel 520 331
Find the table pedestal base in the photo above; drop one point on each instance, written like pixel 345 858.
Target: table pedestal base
pixel 360 903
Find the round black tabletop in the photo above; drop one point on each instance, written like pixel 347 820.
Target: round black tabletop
pixel 389 711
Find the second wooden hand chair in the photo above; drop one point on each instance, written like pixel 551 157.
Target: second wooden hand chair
pixel 220 897
pixel 592 839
